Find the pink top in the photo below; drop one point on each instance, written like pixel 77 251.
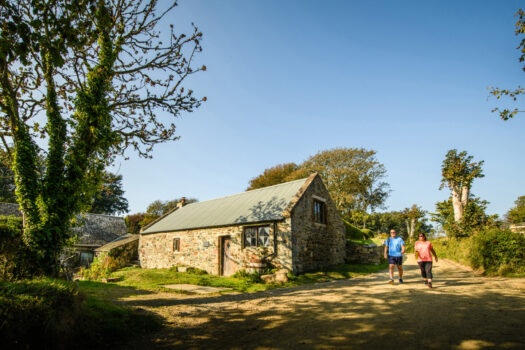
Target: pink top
pixel 423 248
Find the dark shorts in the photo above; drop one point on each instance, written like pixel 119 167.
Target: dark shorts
pixel 395 260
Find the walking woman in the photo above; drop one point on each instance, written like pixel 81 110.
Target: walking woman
pixel 423 250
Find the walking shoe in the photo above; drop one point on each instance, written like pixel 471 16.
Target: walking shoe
pixel 429 284
pixel 400 280
pixel 425 282
pixel 391 281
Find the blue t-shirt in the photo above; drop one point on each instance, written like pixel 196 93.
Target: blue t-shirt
pixel 394 246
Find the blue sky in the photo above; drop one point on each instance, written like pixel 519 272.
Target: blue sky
pixel 287 79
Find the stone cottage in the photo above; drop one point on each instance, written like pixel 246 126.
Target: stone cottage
pixel 293 226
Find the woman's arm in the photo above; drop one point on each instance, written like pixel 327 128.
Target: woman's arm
pixel 434 253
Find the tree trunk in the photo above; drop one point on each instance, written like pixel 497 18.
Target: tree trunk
pixel 464 196
pixel 458 205
pixel 413 228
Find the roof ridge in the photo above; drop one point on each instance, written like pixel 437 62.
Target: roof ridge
pixel 240 193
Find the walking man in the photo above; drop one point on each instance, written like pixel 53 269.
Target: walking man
pixel 394 250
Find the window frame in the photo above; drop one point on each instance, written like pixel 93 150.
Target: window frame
pixel 319 216
pixel 176 245
pixel 257 237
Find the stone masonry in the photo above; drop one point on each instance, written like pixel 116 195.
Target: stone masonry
pixel 316 245
pixel 364 254
pixel 200 248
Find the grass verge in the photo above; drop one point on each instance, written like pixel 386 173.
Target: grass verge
pixel 49 313
pixel 142 281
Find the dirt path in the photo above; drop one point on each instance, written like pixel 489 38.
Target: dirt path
pixel 463 311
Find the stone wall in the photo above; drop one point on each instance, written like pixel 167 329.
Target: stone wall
pixel 201 248
pixel 316 245
pixel 364 254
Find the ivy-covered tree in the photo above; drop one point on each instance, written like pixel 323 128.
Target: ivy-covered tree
pixel 110 198
pixel 508 113
pixel 458 172
pixel 99 73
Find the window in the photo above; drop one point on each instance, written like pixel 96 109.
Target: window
pixel 319 212
pixel 176 245
pixel 257 236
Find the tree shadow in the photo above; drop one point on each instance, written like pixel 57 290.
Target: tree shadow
pixel 264 211
pixel 327 315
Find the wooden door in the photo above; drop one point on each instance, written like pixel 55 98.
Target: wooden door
pixel 228 264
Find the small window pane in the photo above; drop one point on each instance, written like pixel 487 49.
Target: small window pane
pixel 176 244
pixel 250 236
pixel 264 236
pixel 319 212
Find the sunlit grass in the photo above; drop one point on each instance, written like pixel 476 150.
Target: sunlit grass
pixel 135 280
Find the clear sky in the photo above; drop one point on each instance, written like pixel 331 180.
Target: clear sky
pixel 287 79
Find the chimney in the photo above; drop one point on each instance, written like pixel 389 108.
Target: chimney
pixel 182 202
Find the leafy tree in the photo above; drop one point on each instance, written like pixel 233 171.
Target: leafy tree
pixel 474 218
pixel 133 222
pixel 98 73
pixel 412 218
pixel 7 179
pixel 154 211
pixel 516 215
pixel 110 199
pixel 459 171
pixel 353 176
pixel 507 113
pixel 273 176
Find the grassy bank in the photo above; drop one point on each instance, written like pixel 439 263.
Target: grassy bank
pixel 493 251
pixel 139 281
pixel 49 313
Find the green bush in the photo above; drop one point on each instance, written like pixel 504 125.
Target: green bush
pixel 457 249
pixel 250 277
pixel 498 251
pixel 196 271
pixel 48 313
pixel 367 233
pixel 104 264
pixel 16 260
pixel 353 232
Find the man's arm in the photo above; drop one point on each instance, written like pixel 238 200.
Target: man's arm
pixel 386 249
pixel 403 249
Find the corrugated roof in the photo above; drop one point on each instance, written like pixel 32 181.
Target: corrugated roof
pixel 260 205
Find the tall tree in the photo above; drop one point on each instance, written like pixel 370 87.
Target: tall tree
pixel 273 176
pixel 516 214
pixel 353 176
pixel 110 198
pixel 474 218
pixel 412 218
pixel 155 210
pixel 458 172
pixel 508 113
pixel 98 72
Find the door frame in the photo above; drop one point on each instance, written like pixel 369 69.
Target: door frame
pixel 221 253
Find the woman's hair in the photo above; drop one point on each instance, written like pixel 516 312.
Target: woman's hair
pixel 424 235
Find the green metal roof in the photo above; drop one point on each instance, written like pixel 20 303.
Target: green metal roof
pixel 260 205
